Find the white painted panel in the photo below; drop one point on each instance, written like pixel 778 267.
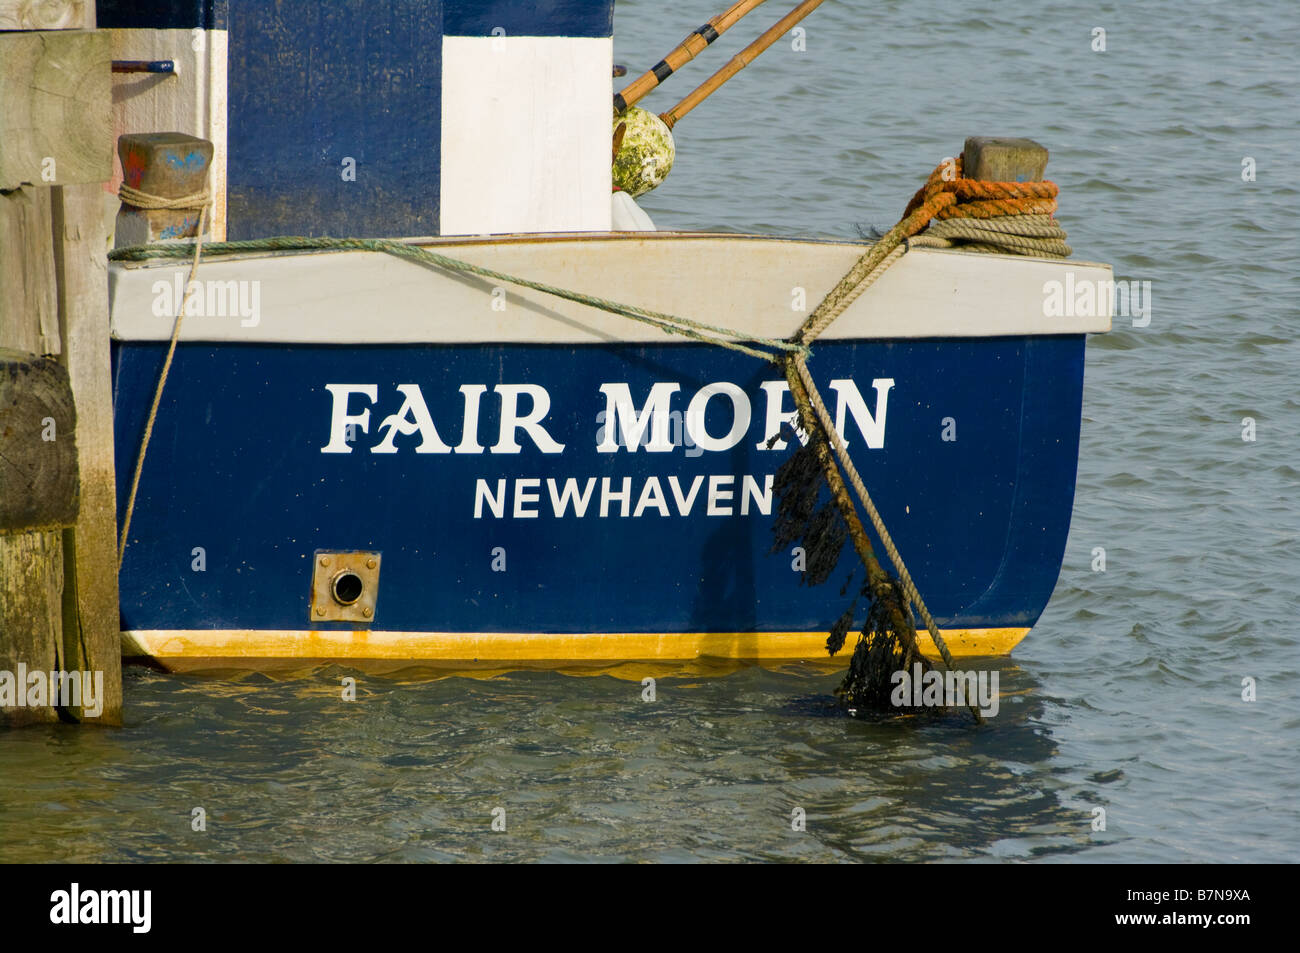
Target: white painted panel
pixel 526 134
pixel 356 297
pixel 192 101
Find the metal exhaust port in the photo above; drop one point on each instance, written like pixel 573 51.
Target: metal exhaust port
pixel 344 586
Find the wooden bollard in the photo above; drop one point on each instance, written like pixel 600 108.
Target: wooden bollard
pixel 997 159
pixel 165 165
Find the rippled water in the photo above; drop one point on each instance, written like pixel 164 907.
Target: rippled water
pixel 1127 694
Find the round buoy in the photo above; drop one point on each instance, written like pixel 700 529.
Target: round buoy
pixel 646 154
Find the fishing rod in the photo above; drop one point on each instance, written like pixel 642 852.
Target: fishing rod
pixel 738 62
pixel 683 53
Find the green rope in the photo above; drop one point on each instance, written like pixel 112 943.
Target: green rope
pixel 671 324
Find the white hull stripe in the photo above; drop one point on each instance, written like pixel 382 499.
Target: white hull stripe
pixel 371 298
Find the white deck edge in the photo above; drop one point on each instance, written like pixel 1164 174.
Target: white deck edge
pixel 743 282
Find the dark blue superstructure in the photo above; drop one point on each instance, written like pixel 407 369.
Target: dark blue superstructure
pixel 313 83
pixel 236 467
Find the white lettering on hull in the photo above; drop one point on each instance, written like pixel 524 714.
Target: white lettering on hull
pixel 718 494
pixel 623 426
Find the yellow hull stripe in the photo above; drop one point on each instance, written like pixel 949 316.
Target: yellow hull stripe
pixel 243 648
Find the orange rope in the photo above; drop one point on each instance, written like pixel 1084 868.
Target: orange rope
pixel 958 197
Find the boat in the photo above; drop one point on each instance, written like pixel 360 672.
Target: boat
pixel 382 462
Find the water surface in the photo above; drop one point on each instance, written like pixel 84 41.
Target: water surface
pixel 1127 696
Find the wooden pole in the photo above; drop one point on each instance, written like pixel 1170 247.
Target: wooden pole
pixel 37 478
pixel 682 54
pixel 92 639
pixel 38 497
pixel 58 580
pixel 739 62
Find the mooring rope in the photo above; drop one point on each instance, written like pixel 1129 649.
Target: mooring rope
pixel 157 393
pixel 976 215
pixel 855 480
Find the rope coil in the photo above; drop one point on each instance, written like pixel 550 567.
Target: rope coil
pixel 985 216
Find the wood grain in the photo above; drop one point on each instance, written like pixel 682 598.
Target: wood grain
pixel 47 15
pixel 55 108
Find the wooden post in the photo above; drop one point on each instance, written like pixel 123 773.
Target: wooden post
pixel 92 639
pixel 996 159
pixel 38 418
pixel 31 622
pixel 31 537
pixel 58 580
pixel 38 496
pixel 29 317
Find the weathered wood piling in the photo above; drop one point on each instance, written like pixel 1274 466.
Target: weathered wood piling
pixel 58 580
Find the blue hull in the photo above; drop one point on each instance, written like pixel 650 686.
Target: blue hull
pixel 236 468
